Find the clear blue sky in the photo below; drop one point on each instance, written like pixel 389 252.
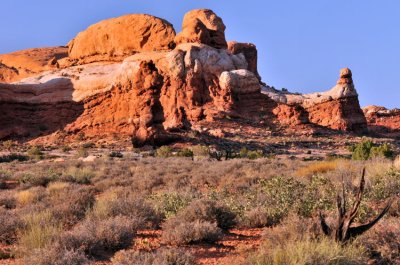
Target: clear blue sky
pixel 302 44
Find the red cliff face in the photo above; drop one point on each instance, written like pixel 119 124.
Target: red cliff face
pixel 110 84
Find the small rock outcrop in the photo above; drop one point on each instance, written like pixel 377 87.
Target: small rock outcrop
pixel 337 108
pixel 203 26
pixel 382 120
pixel 121 37
pixel 21 64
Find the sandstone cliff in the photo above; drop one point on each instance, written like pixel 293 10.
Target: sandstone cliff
pixel 134 77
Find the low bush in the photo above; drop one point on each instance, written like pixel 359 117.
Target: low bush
pixel 9 224
pixel 366 150
pixel 185 153
pixel 78 175
pixel 35 152
pixel 163 256
pixel 164 151
pixel 383 239
pixel 168 204
pixel 250 154
pixel 69 203
pixel 177 232
pixel 82 152
pixel 55 255
pixel 201 151
pixel 8 200
pixel 208 211
pixel 13 157
pixel 120 203
pixel 96 236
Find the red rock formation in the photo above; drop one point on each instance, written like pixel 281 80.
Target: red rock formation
pixel 21 64
pixel 249 51
pixel 337 108
pixel 382 120
pixel 203 26
pixel 121 37
pixel 102 90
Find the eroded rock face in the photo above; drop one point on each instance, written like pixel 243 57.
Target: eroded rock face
pixel 121 37
pixel 203 26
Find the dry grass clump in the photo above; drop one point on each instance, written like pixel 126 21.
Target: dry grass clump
pixel 39 230
pixel 297 241
pixel 163 256
pixel 30 196
pixel 320 167
pixel 311 252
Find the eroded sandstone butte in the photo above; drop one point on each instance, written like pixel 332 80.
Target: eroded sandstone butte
pixel 133 77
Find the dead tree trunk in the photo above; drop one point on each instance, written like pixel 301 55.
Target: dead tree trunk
pixel 343 230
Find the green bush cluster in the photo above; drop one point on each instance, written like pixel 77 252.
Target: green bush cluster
pixel 366 150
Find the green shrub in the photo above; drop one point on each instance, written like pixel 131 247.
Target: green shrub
pixel 35 152
pixel 115 154
pixel 250 154
pixel 13 157
pixel 185 153
pixel 79 175
pixel 162 256
pixel 319 194
pixel 170 203
pixel 201 151
pixel 280 195
pixel 366 150
pixel 8 145
pixel 383 150
pixel 82 152
pixel 164 151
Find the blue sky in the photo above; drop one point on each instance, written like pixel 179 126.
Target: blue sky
pixel 302 44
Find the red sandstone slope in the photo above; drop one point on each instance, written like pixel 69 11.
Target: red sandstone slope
pixel 111 84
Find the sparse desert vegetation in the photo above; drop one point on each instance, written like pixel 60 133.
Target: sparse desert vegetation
pixel 176 206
